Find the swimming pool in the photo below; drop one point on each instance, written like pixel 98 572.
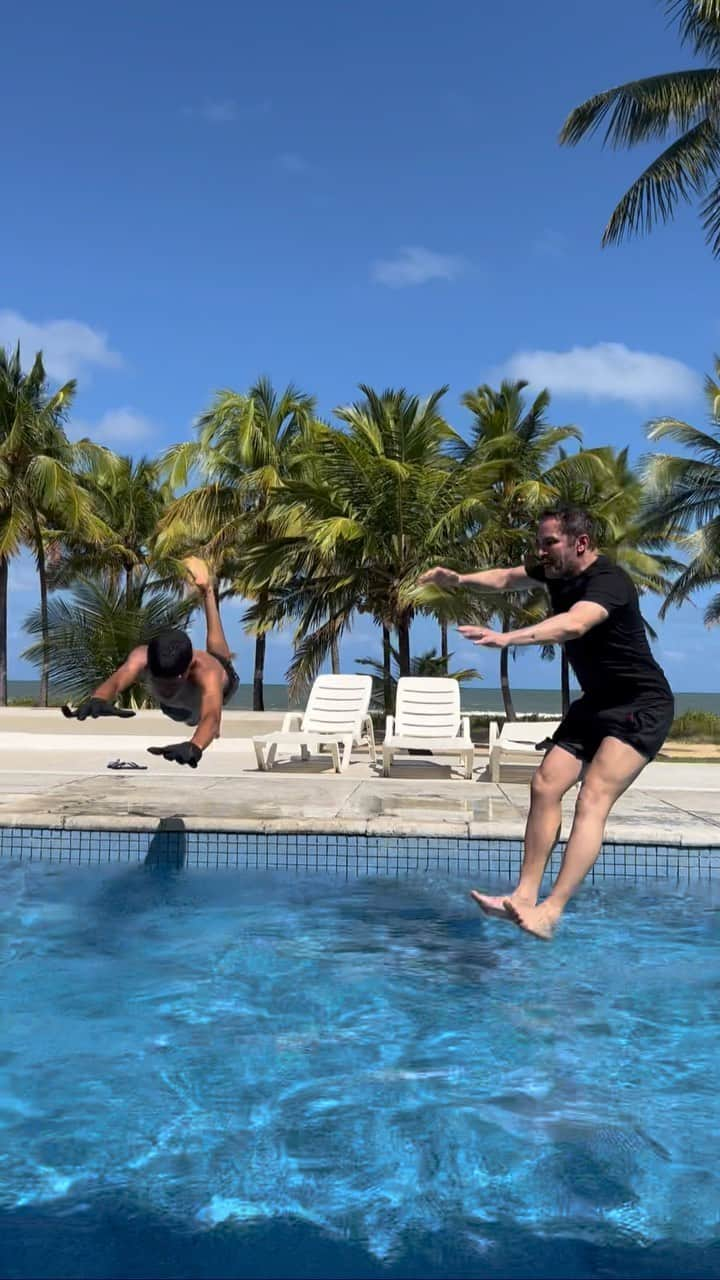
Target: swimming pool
pixel 296 1072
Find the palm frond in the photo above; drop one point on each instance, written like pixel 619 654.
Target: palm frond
pixel 691 437
pixel 699 23
pixel 679 173
pixel 92 632
pixel 711 615
pixel 644 109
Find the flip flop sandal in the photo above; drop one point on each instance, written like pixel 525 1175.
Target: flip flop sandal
pixel 125 764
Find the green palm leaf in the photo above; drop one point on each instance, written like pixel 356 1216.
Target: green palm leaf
pixel 92 633
pixel 679 173
pixel 682 103
pixel 643 109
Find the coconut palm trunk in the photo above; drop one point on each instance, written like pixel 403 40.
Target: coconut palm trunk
pixel 3 630
pixel 42 575
pixel 259 672
pixel 444 650
pixel 335 657
pixel 505 679
pixel 387 671
pixel 403 631
pixel 260 647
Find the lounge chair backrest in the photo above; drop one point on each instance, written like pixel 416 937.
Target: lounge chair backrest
pixel 427 707
pixel 337 704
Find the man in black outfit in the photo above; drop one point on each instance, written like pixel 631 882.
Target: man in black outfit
pixel 608 735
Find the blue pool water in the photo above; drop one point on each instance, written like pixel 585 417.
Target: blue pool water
pixel 275 1074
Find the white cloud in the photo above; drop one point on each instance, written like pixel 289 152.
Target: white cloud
pixel 292 162
pixel 607 371
pixel 119 427
pixel 22 582
pixel 68 346
pixel 415 265
pixel 551 244
pixel 227 110
pixel 221 111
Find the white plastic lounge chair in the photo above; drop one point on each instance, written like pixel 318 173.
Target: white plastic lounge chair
pixel 517 742
pixel 336 716
pixel 427 716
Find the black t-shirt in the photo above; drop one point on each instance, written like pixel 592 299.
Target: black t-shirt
pixel 612 661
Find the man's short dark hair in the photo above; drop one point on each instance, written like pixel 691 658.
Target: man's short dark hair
pixel 574 522
pixel 169 653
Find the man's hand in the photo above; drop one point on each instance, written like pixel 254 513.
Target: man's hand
pixel 486 637
pixel 180 752
pixel 439 577
pixel 95 707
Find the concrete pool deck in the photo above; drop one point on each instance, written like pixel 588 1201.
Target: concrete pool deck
pixel 54 774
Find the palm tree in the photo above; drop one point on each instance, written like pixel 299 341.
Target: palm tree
pixel 39 493
pixel 247 447
pixel 682 499
pixel 679 105
pixel 355 532
pixel 16 388
pixel 14 384
pixel 92 632
pixel 131 498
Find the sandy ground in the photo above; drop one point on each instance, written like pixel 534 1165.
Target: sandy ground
pixel 242 724
pixel 690 751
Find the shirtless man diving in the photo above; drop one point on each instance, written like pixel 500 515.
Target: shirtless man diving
pixel 190 685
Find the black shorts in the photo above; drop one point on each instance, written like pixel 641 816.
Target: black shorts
pixel 183 715
pixel 233 682
pixel 643 724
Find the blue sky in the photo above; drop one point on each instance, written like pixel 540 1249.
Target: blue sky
pixel 332 193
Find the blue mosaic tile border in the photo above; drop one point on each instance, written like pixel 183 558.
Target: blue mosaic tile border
pixel 338 854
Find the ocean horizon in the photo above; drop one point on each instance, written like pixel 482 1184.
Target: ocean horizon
pixel 475 697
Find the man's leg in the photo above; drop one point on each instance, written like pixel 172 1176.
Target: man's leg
pixel 615 766
pixel 558 772
pixel 201 577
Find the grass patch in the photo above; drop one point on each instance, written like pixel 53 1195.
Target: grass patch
pixel 696 726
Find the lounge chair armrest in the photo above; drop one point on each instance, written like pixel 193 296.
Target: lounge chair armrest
pixel 291 721
pixel 389 726
pixel 492 733
pixel 465 728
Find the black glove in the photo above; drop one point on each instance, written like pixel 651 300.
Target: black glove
pixel 95 707
pixel 180 752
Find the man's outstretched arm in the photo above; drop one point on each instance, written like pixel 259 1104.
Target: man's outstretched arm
pixel 564 626
pixel 211 703
pixel 208 727
pixel 102 701
pixel 484 580
pixel 124 677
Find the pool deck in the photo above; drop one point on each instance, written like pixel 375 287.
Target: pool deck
pixel 54 774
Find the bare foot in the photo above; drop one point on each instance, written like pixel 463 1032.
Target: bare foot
pixel 198 573
pixel 496 906
pixel 539 921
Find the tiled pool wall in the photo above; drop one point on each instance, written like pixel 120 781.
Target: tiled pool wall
pixel 339 854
